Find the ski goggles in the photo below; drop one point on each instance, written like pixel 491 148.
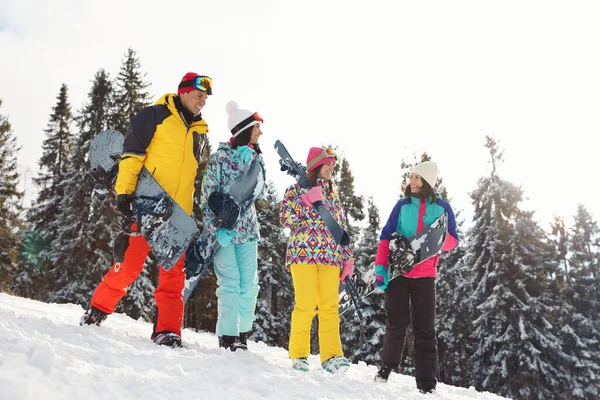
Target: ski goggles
pixel 201 83
pixel 318 160
pixel 251 120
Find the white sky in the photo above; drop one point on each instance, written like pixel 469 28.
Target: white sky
pixel 45 354
pixel 380 79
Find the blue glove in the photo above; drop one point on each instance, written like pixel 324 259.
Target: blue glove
pixel 245 153
pixel 382 277
pixel 224 236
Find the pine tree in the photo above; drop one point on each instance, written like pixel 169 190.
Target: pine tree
pixel 130 92
pixel 351 203
pixel 516 353
pixel 82 251
pixel 275 299
pixel 584 260
pixel 42 217
pixel 579 300
pixel 372 310
pixel 10 204
pixel 560 237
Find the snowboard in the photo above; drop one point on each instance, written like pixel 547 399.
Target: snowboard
pixel 405 254
pixel 298 171
pixel 234 204
pixel 167 227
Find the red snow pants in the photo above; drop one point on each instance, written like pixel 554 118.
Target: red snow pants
pixel 168 294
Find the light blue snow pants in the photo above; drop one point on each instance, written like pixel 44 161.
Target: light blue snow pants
pixel 237 277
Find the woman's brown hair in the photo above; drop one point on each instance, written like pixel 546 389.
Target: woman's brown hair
pixel 244 138
pixel 312 179
pixel 424 194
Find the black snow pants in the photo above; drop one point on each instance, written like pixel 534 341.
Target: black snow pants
pixel 403 297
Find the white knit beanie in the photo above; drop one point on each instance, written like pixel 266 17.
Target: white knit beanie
pixel 428 170
pixel 238 118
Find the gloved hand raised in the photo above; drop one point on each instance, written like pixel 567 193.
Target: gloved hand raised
pixel 245 153
pixel 347 269
pixel 314 194
pixel 382 278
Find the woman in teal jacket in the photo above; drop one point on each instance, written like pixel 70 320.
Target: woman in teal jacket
pixel 235 263
pixel 414 292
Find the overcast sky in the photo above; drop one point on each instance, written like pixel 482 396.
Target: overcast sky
pixel 379 79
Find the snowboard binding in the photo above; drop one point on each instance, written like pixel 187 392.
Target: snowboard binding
pixel 106 179
pixel 401 254
pixel 225 208
pixel 296 170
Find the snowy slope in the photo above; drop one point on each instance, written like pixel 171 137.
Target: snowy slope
pixel 45 354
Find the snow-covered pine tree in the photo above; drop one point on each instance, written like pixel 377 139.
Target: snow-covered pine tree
pixel 275 299
pixel 584 261
pixel 578 297
pixel 560 237
pixel 82 252
pixel 10 204
pixel 42 216
pixel 516 353
pixel 131 93
pixel 372 310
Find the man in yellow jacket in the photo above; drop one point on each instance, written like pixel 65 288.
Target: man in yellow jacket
pixel 166 138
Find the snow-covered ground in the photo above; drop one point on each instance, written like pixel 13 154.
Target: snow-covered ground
pixel 45 354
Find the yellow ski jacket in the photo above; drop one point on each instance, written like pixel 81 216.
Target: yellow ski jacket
pixel 160 139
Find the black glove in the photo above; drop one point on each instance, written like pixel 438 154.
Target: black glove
pixel 125 207
pixel 124 204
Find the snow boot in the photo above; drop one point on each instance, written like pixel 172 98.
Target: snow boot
pixel 166 338
pixel 93 316
pixel 383 374
pixel 244 340
pixel 336 365
pixel 231 343
pixel 301 364
pixel 426 387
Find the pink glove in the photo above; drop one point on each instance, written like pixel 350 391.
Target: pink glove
pixel 347 268
pixel 314 194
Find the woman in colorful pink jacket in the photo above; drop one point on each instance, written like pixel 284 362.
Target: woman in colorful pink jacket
pixel 317 264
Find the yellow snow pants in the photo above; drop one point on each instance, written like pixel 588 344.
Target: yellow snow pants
pixel 315 286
